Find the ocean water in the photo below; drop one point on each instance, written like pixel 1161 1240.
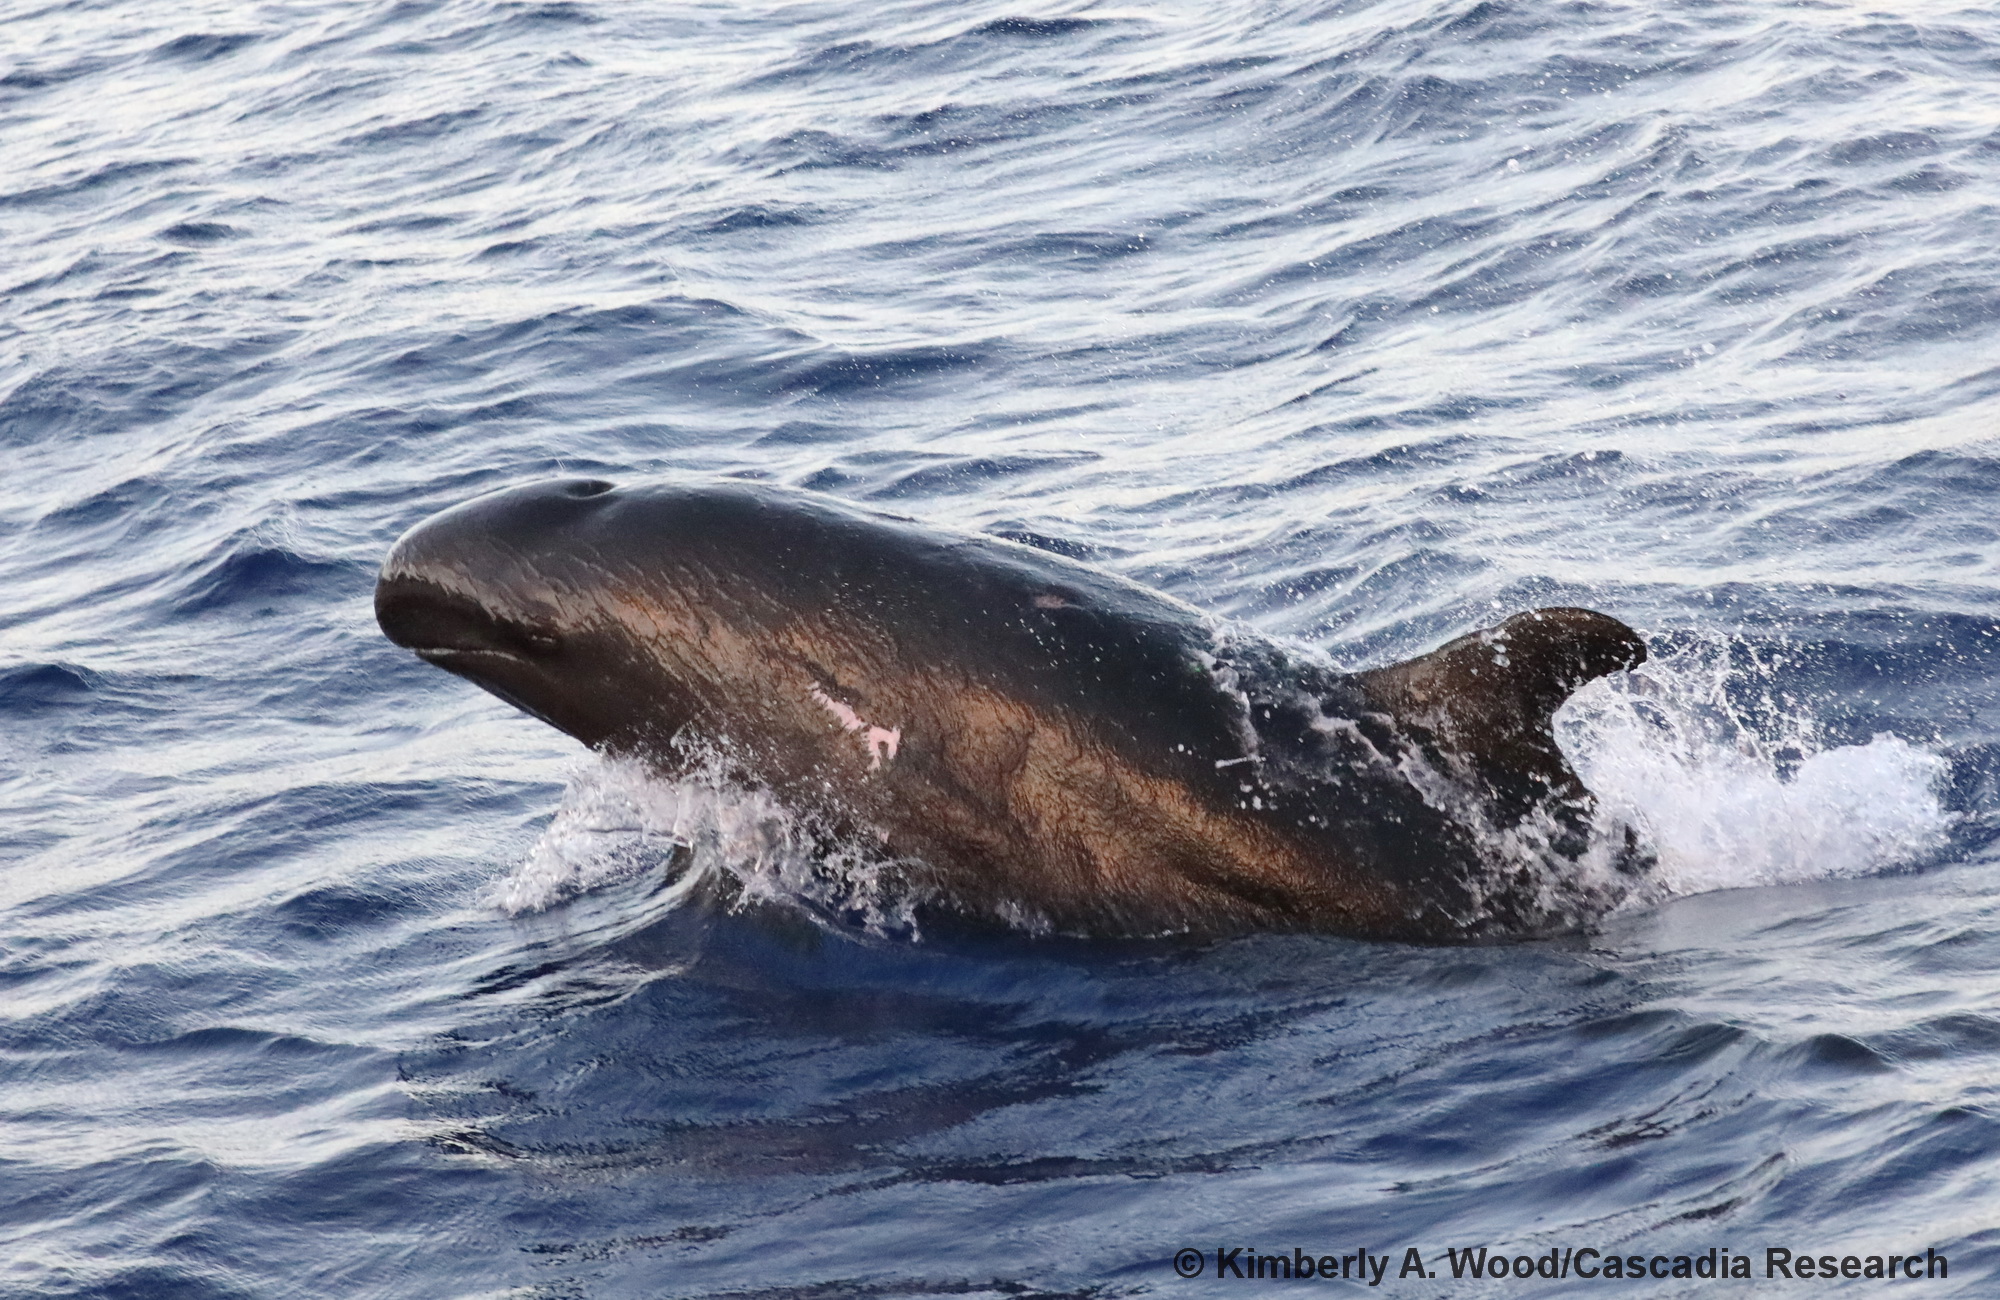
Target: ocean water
pixel 1365 324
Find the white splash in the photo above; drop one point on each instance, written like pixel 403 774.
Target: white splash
pixel 882 742
pixel 620 818
pixel 1726 800
pixel 615 822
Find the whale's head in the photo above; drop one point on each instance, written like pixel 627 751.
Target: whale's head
pixel 621 614
pixel 527 593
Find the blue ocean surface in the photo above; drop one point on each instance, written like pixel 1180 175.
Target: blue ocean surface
pixel 1365 323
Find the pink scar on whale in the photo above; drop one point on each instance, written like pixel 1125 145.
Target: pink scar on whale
pixel 882 741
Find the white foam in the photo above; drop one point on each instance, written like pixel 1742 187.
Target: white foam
pixel 613 823
pixel 621 818
pixel 1727 797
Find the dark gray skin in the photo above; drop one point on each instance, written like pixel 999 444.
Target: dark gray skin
pixel 1040 740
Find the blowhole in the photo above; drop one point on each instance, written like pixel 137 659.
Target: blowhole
pixel 590 487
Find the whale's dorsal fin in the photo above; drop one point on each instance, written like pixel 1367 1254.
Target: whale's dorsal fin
pixel 1487 697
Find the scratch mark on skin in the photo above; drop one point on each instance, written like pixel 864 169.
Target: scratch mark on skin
pixel 882 742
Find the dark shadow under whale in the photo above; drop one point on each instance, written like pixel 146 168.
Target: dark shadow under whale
pixel 1033 740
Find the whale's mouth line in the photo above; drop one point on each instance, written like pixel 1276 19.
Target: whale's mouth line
pixel 444 656
pixel 455 631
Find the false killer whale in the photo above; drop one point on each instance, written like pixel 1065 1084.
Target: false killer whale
pixel 1029 737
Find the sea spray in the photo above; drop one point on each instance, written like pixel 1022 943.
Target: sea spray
pixel 1728 796
pixel 621 817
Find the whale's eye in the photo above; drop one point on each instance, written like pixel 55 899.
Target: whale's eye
pixel 589 487
pixel 541 643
